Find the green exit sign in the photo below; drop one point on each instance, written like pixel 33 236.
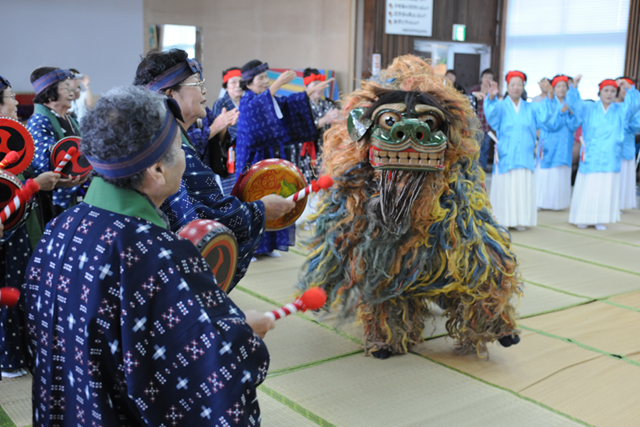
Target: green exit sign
pixel 459 32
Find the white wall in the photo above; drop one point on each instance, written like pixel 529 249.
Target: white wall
pixel 102 39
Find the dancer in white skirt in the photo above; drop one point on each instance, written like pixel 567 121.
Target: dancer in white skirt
pixel 555 148
pixel 596 195
pixel 513 189
pixel 628 166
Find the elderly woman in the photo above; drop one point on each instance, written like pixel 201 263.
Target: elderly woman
pixel 14 256
pixel 628 164
pixel 180 78
pixel 143 326
pixel 49 124
pixel 267 125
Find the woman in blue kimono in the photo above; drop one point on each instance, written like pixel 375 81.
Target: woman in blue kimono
pixel 596 194
pixel 628 198
pixel 513 189
pixel 267 124
pixel 555 147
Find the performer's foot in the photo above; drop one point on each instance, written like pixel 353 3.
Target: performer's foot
pixel 582 226
pixel 381 353
pixel 600 227
pixel 520 228
pixel 14 374
pixel 253 259
pixel 509 340
pixel 273 254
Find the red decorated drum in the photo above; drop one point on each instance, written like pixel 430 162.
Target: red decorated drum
pixel 15 137
pixel 78 166
pixel 218 246
pixel 10 185
pixel 273 176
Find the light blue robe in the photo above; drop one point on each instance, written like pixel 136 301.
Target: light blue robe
pixel 630 131
pixel 603 133
pixel 516 131
pixel 555 147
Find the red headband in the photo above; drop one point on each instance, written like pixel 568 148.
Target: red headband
pixel 512 74
pixel 559 79
pixel 628 81
pixel 230 74
pixel 608 82
pixel 313 78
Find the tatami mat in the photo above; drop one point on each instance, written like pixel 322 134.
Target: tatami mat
pixel 406 391
pixel 277 414
pixel 539 300
pixel 631 299
pixel 15 398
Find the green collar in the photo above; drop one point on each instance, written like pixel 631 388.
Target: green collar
pixel 45 111
pixel 103 195
pixel 183 135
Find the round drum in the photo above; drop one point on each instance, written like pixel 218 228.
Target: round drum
pixel 9 186
pixel 218 246
pixel 273 176
pixel 15 137
pixel 79 166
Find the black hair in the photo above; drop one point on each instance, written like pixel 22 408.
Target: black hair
pixel 74 71
pixel 626 77
pixel 2 89
pixel 50 94
pixel 410 99
pixel 451 72
pixel 224 84
pixel 309 72
pixel 156 63
pixel 246 67
pixel 487 71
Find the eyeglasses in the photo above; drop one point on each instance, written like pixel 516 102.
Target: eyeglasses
pixel 13 96
pixel 200 84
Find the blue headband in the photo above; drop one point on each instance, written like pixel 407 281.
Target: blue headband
pixel 175 75
pixel 147 155
pixel 4 83
pixel 248 75
pixel 50 78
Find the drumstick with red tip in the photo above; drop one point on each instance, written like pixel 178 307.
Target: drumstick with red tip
pixel 9 296
pixel 11 157
pixel 324 182
pixel 67 158
pixel 312 299
pixel 30 188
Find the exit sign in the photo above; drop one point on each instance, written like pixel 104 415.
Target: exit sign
pixel 459 32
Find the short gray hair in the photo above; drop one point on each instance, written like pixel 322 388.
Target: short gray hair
pixel 123 121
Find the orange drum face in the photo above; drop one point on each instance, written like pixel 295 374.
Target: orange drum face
pixel 217 245
pixel 79 166
pixel 9 186
pixel 15 137
pixel 275 176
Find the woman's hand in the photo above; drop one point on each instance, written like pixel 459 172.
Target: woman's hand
pixel 576 80
pixel 479 96
pixel 282 80
pixel 564 109
pixel 223 121
pixel 331 115
pixel 47 181
pixel 319 87
pixel 259 322
pixel 493 90
pixel 71 182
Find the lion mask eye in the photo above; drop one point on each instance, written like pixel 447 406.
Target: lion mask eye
pixel 432 120
pixel 387 119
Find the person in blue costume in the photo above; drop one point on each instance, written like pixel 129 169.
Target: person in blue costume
pixel 596 193
pixel 142 335
pixel 555 152
pixel 50 123
pixel 513 190
pixel 15 251
pixel 213 135
pixel 267 125
pixel 628 199
pixel 200 197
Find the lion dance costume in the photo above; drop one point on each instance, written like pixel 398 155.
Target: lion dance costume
pixel 408 220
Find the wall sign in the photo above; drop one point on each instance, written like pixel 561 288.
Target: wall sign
pixel 409 17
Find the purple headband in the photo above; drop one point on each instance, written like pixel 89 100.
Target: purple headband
pixel 50 78
pixel 149 154
pixel 175 75
pixel 4 83
pixel 248 75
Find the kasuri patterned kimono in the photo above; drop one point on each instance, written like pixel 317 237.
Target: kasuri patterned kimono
pixel 408 221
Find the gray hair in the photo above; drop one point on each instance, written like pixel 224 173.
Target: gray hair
pixel 122 121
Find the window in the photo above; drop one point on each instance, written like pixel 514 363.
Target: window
pixel 180 37
pixel 549 37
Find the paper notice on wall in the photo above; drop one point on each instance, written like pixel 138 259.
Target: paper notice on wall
pixel 409 17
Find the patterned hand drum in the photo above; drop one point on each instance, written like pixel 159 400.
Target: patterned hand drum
pixel 9 187
pixel 273 176
pixel 218 246
pixel 78 166
pixel 15 137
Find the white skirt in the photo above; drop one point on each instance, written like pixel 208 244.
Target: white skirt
pixel 596 198
pixel 513 198
pixel 553 187
pixel 628 184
